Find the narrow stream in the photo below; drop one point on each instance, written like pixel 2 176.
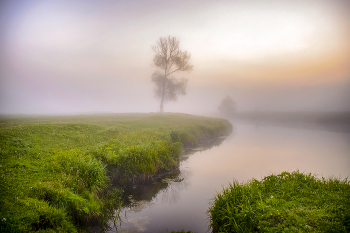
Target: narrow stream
pixel 179 201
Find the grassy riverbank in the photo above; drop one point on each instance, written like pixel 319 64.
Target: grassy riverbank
pixel 55 171
pixel 288 202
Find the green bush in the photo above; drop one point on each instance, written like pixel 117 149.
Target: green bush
pixel 288 202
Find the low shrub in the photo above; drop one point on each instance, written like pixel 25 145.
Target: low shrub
pixel 288 202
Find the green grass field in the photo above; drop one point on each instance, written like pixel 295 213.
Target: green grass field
pixel 55 172
pixel 288 202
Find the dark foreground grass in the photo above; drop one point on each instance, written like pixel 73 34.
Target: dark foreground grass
pixel 288 202
pixel 55 172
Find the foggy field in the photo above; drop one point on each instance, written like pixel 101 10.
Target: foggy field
pixel 56 171
pixel 86 94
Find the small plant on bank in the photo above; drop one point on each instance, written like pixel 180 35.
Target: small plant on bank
pixel 288 202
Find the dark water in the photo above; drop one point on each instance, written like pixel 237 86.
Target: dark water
pixel 180 200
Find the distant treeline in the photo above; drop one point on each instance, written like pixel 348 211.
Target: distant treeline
pixel 333 121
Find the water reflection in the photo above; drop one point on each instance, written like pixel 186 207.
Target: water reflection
pixel 171 195
pixel 164 191
pixel 203 145
pixel 179 201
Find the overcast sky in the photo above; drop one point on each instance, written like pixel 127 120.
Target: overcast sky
pixel 96 56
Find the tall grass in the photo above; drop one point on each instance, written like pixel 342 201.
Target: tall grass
pixel 55 172
pixel 288 202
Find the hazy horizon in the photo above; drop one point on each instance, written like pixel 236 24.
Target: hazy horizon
pixel 67 57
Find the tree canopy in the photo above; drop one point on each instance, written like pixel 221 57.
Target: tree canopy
pixel 227 107
pixel 169 59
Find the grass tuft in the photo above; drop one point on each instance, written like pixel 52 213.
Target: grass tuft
pixel 288 202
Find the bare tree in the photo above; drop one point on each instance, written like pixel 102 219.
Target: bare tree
pixel 169 59
pixel 227 107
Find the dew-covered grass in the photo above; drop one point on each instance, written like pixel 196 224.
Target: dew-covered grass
pixel 288 202
pixel 56 172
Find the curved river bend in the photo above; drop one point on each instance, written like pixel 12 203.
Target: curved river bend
pixel 180 200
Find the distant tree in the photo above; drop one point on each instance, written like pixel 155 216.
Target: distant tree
pixel 227 107
pixel 169 59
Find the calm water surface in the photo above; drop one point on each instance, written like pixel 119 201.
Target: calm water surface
pixel 180 200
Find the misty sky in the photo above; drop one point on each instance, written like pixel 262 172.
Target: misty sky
pixel 95 56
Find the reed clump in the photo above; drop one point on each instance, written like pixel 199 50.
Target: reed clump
pixel 55 172
pixel 288 202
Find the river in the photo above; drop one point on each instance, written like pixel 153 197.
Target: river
pixel 179 201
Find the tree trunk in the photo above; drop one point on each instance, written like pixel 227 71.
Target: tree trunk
pixel 161 104
pixel 162 100
pixel 163 93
